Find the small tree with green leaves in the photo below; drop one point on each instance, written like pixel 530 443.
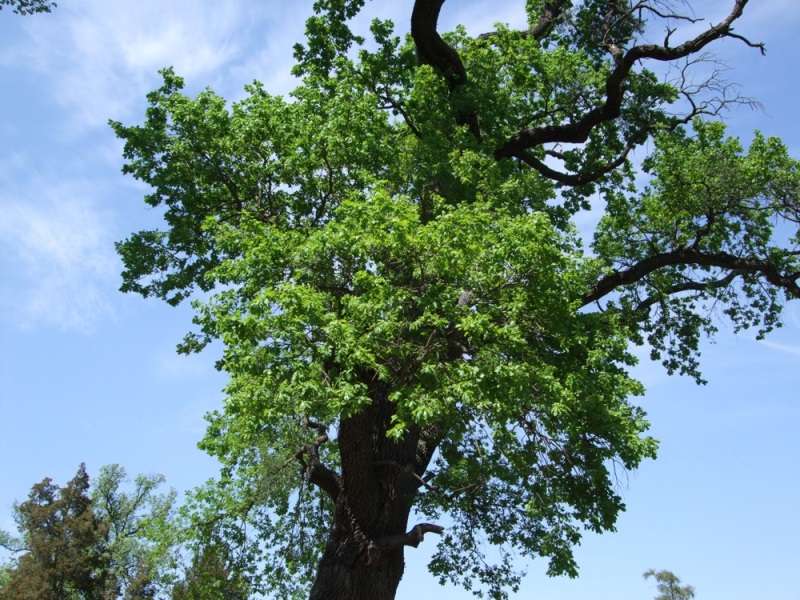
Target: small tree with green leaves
pixel 669 586
pixel 143 531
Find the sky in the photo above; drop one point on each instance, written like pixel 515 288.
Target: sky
pixel 88 374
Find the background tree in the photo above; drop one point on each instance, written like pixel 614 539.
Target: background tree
pixel 65 555
pixel 110 544
pixel 143 531
pixel 29 7
pixel 408 312
pixel 211 575
pixel 669 586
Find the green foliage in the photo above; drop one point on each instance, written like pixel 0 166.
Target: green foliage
pixel 29 7
pixel 65 542
pixel 110 544
pixel 359 244
pixel 706 196
pixel 209 577
pixel 668 585
pixel 143 531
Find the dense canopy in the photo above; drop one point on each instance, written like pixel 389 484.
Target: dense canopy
pixel 408 310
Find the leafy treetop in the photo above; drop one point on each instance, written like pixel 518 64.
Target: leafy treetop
pixel 390 258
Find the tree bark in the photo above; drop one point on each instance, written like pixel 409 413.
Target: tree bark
pixel 363 557
pixel 354 567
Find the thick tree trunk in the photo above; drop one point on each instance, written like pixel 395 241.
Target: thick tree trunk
pixel 354 567
pixel 363 558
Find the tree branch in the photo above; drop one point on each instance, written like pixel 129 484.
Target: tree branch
pixel 412 538
pixel 547 20
pixel 578 132
pixel 690 256
pixel 574 179
pixel 431 48
pixel 315 472
pixel 687 287
pixel 434 51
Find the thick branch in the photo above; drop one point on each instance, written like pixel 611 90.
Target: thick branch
pixel 412 538
pixel 547 20
pixel 578 132
pixel 431 48
pixel 315 472
pixel 689 257
pixel 434 51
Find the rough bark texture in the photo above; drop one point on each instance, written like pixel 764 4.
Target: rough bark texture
pixel 363 558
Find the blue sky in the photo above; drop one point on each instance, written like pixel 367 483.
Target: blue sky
pixel 90 375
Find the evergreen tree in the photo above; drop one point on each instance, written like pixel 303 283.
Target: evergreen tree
pixel 66 556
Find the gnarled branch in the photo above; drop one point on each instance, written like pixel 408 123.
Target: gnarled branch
pixel 578 132
pixel 315 472
pixel 689 257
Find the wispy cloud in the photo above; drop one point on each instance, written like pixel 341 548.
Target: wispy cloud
pixel 786 348
pixel 85 63
pixel 99 58
pixel 57 256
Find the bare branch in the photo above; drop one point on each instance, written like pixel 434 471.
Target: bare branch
pixel 759 45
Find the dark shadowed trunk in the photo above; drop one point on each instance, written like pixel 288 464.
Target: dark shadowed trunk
pixel 354 567
pixel 363 558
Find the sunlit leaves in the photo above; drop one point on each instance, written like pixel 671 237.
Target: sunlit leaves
pixel 363 235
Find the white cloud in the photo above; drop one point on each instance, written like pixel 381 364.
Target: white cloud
pixel 99 58
pixel 58 257
pixel 88 62
pixel 786 348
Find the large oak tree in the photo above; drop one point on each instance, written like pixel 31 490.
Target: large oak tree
pixel 408 312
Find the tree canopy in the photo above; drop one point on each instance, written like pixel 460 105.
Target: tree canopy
pixel 669 585
pixel 100 545
pixel 408 311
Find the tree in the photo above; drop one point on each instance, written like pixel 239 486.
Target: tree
pixel 29 7
pixel 143 531
pixel 109 544
pixel 669 586
pixel 408 312
pixel 210 576
pixel 64 545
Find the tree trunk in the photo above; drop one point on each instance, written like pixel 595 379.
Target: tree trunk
pixel 363 558
pixel 354 567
